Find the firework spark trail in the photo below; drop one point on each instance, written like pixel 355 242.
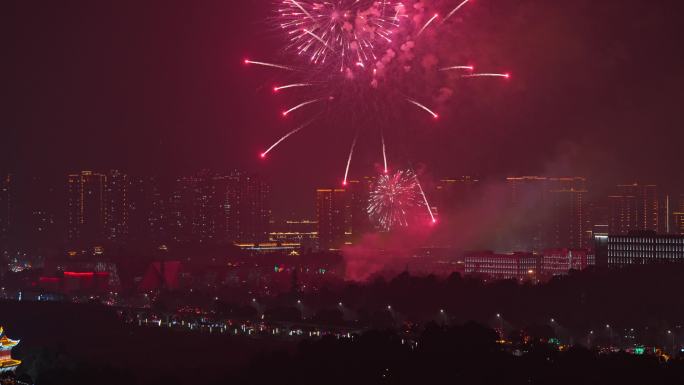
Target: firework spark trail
pixel 274 145
pixel 424 108
pixel 384 152
pixel 303 10
pixel 282 67
pixel 452 68
pixel 427 204
pixel 485 75
pixel 278 88
pixel 319 39
pixel 427 24
pixel 351 153
pixel 455 10
pixel 298 106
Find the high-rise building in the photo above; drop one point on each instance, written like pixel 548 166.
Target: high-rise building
pixel 148 217
pixel 623 214
pixel 452 194
pixel 598 218
pixel 195 214
pixel 5 205
pixel 42 226
pixel 38 219
pixel 567 225
pixel 331 208
pixel 117 200
pixel 533 188
pixel 248 208
pixel 548 212
pixel 181 208
pixel 634 207
pixel 209 207
pixel 678 222
pixel 678 217
pixel 86 210
pixel 358 221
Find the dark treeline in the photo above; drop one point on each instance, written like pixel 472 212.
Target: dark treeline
pixel 632 297
pixel 77 343
pixel 467 354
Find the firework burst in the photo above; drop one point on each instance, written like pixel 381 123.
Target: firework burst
pixel 359 61
pixel 396 200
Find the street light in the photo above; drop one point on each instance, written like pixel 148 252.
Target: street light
pixel 498 316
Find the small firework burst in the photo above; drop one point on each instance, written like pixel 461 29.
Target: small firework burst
pixel 394 200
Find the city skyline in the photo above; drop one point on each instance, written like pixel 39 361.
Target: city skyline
pixel 536 212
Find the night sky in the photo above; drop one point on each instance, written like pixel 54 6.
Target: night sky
pixel 597 89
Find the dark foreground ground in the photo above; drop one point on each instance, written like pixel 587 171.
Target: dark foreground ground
pixel 63 343
pixel 69 343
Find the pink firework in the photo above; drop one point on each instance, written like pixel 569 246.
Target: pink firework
pixel 361 61
pixel 394 200
pixel 345 33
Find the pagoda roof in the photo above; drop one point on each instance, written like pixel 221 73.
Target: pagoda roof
pixel 5 342
pixel 9 364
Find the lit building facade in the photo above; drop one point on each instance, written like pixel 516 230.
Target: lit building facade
pixel 634 207
pixel 358 221
pixel 148 215
pixel 678 222
pixel 209 207
pixel 561 261
pixel 86 206
pixel 638 248
pixel 5 205
pixel 520 265
pixel 117 206
pixel 678 217
pixel 331 214
pixel 303 232
pixel 248 208
pixel 7 363
pixel 567 227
